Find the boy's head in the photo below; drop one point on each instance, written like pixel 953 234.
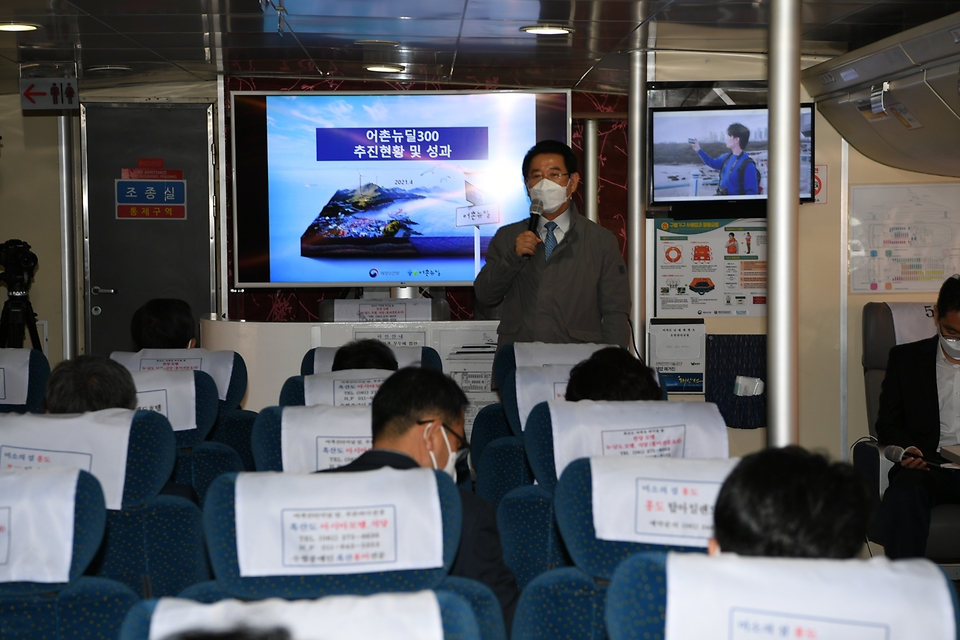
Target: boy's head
pixel 612 374
pixel 90 383
pixel 364 354
pixel 163 323
pixel 790 502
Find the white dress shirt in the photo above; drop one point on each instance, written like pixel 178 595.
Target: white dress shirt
pixel 948 394
pixel 563 225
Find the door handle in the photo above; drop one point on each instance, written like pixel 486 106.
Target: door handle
pixel 97 291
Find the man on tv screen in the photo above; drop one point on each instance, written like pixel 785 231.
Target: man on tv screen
pixel 738 172
pixel 558 277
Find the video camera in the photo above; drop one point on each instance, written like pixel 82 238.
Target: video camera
pixel 18 263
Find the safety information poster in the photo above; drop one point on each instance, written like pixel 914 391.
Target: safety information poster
pixel 711 267
pixel 903 237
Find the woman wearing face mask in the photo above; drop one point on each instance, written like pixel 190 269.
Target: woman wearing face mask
pixel 920 412
pixel 418 421
pixel 557 276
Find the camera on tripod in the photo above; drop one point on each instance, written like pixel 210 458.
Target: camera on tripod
pixel 18 263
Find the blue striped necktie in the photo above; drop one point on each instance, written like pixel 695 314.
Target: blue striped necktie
pixel 550 242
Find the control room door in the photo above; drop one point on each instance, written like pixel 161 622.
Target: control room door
pixel 148 214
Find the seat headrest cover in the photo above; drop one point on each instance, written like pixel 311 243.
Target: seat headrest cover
pixel 912 321
pixel 398 616
pixel 219 364
pixel 536 354
pixel 540 384
pixel 171 393
pixel 646 428
pixel 350 387
pixel 323 437
pixel 666 501
pixel 807 598
pixel 337 523
pixel 394 310
pixel 14 375
pixel 36 524
pixel 95 442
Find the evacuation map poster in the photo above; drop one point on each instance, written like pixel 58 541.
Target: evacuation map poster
pixel 711 267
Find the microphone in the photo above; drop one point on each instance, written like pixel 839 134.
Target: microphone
pixel 893 453
pixel 536 210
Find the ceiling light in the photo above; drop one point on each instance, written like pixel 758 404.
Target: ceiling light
pixel 109 68
pixel 547 29
pixel 385 67
pixel 18 26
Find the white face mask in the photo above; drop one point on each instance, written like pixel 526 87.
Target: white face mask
pixel 951 346
pixel 550 194
pixel 451 467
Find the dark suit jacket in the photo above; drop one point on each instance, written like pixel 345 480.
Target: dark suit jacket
pixel 909 413
pixel 480 556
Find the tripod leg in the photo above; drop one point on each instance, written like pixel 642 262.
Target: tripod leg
pixel 30 319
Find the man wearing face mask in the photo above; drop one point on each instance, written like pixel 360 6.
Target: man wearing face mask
pixel 418 421
pixel 558 277
pixel 920 411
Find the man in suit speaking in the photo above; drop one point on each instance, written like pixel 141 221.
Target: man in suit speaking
pixel 920 411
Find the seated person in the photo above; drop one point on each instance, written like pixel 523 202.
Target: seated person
pixel 89 383
pixel 418 421
pixel 364 354
pixel 163 323
pixel 612 374
pixel 920 412
pixel 790 502
pixel 94 383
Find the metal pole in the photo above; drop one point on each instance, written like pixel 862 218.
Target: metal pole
pixel 591 165
pixel 68 248
pixel 636 193
pixel 783 412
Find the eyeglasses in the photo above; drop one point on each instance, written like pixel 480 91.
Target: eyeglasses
pixel 536 177
pixel 464 447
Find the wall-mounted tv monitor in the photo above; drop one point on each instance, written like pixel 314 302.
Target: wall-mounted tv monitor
pixel 696 163
pixel 362 189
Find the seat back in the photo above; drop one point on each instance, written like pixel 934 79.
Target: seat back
pixel 227 368
pixel 533 385
pixel 885 325
pixel 75 606
pixel 188 399
pixel 810 598
pixel 23 380
pixel 597 557
pixel 558 432
pixel 489 424
pixel 308 439
pixel 317 494
pixel 537 354
pixel 424 614
pixel 320 359
pixel 337 388
pixel 153 544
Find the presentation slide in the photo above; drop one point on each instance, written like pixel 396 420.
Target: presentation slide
pixel 411 188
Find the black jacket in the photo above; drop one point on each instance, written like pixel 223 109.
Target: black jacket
pixel 480 556
pixel 909 413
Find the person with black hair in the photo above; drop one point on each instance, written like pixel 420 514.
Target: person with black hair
pixel 234 634
pixel 163 323
pixel 557 277
pixel 612 374
pixel 89 383
pixel 739 175
pixel 418 421
pixel 791 503
pixel 364 354
pixel 920 411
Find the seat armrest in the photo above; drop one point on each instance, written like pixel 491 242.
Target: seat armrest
pixel 869 461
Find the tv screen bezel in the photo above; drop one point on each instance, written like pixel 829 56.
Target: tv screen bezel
pixel 719 207
pixel 259 261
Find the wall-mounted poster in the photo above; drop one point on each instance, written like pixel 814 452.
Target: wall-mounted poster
pixel 903 237
pixel 711 267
